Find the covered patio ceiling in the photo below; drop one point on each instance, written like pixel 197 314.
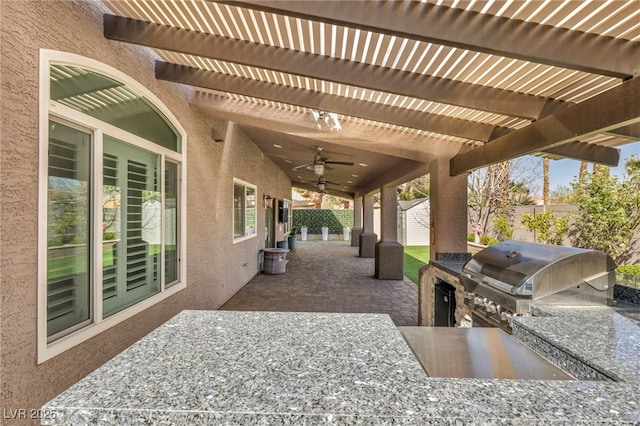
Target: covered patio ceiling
pixel 473 82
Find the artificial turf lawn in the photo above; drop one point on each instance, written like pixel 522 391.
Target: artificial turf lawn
pixel 415 257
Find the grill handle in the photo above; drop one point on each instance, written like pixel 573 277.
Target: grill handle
pixel 600 281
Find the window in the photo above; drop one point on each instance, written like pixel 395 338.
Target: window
pixel 244 210
pixel 68 228
pixel 111 243
pixel 285 215
pixel 131 224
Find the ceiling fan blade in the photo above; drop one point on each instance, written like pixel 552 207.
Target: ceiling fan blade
pixel 344 163
pixel 300 167
pixel 274 155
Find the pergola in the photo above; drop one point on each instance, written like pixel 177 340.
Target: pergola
pixel 470 82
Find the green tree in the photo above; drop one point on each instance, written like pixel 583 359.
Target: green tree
pixel 502 228
pixel 68 212
pixel 416 188
pixel 562 194
pixel 520 194
pixel 494 191
pixel 321 200
pixel 547 227
pixel 608 210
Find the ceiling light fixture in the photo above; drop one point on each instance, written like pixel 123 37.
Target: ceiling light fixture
pixel 321 183
pixel 326 120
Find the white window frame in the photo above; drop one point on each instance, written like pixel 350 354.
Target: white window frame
pixel 59 112
pixel 233 225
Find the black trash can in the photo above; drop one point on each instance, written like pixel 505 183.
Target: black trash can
pixel 275 261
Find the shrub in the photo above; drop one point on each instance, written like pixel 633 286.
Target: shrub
pixel 488 241
pixel 314 220
pixel 609 211
pixel 79 240
pixel 628 276
pixel 548 227
pixel 502 228
pixel 633 270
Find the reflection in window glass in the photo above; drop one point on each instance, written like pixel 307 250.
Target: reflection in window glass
pixel 244 210
pixel 132 215
pixel 238 210
pixel 68 236
pixel 250 211
pixel 120 105
pixel 171 223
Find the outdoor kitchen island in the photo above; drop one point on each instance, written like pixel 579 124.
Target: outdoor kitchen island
pixel 225 367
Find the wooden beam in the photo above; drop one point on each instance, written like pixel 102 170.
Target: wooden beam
pixel 396 175
pixel 613 109
pixel 339 104
pixel 356 108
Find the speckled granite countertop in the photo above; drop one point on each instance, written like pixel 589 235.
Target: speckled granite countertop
pixel 228 367
pixel 453 267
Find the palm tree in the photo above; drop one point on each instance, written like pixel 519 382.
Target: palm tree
pixel 583 170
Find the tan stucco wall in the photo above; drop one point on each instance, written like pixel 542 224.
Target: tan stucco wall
pixel 448 214
pixel 215 268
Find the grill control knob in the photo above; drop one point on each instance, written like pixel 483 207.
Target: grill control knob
pixel 504 316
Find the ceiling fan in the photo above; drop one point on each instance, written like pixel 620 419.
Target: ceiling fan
pixel 320 163
pixel 322 184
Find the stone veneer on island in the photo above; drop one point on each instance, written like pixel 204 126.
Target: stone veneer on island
pixel 307 368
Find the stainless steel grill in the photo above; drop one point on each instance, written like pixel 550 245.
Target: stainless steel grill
pixel 511 275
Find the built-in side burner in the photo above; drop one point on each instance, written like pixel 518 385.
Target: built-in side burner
pixel 487 353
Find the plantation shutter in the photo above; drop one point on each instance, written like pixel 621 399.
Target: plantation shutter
pixel 134 272
pixel 109 248
pixel 137 249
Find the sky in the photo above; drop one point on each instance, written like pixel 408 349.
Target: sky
pixel 563 172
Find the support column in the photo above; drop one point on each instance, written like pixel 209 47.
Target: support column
pixel 368 238
pixel 448 217
pixel 389 252
pixel 447 229
pixel 357 222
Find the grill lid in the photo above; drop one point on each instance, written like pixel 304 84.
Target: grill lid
pixel 533 269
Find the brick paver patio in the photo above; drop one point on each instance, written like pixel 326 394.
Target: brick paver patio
pixel 328 277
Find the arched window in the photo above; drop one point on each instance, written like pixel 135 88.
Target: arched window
pixel 111 194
